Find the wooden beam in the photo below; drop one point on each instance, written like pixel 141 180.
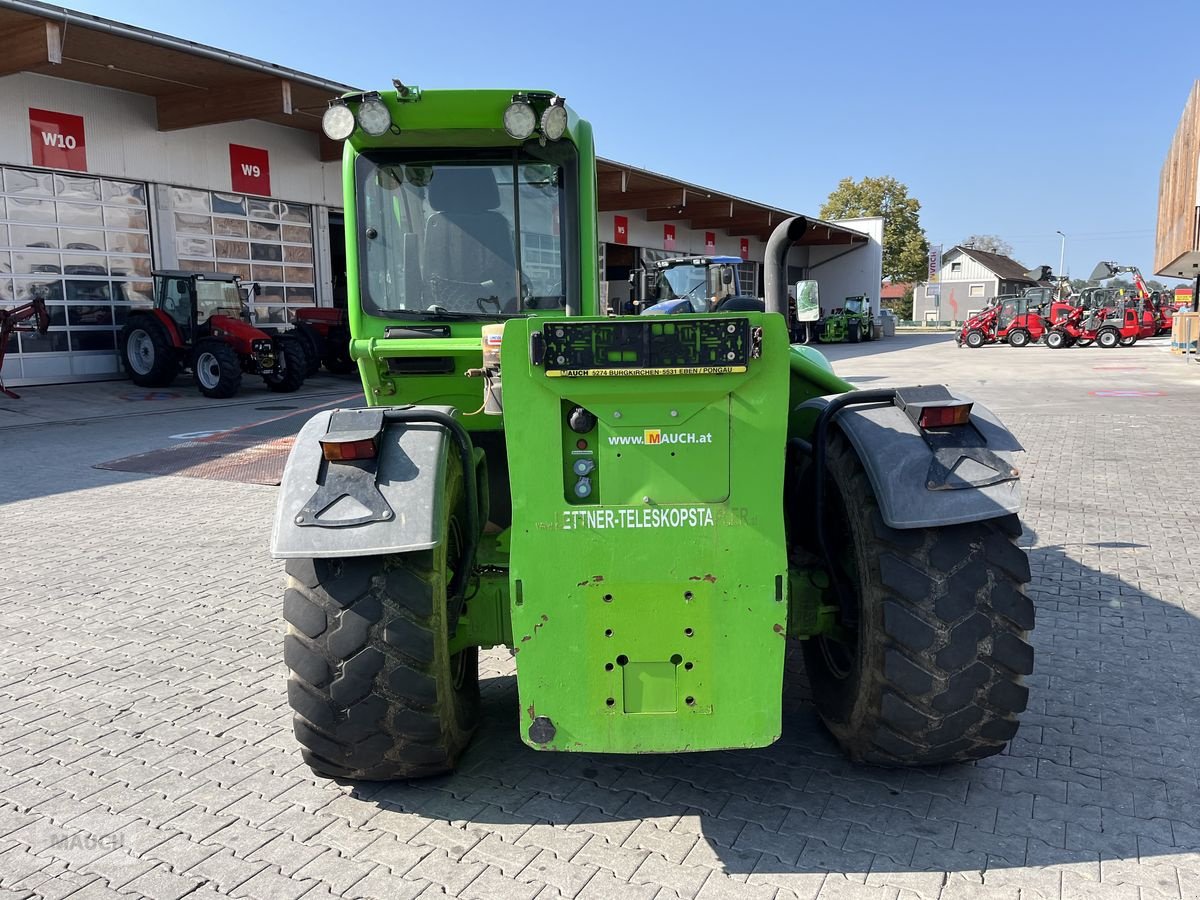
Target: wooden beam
pixel 609 180
pixel 743 220
pixel 617 200
pixel 30 47
pixel 251 99
pixel 667 214
pixel 328 150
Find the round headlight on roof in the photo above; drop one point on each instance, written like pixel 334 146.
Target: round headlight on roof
pixel 373 117
pixel 519 120
pixel 338 122
pixel 554 121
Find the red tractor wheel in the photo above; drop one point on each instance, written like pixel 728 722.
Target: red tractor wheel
pixel 975 339
pixel 216 368
pixel 1019 338
pixel 1108 338
pixel 1056 339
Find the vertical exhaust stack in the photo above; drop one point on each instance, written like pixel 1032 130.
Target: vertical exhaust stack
pixel 785 234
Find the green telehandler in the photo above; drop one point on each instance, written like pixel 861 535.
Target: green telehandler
pixel 644 509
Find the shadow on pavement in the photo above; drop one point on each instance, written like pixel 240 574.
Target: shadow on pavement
pixel 1102 774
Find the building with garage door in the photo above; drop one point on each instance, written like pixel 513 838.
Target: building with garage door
pixel 129 151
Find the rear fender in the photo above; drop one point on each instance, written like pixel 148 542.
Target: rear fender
pixel 169 324
pixel 899 463
pixel 390 504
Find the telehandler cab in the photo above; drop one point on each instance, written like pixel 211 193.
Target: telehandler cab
pixel 643 508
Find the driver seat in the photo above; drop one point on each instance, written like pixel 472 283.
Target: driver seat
pixel 468 242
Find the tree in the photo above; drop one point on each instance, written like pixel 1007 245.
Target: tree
pixel 902 306
pixel 904 246
pixel 989 243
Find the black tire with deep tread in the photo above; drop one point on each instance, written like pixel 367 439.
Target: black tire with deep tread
pixel 313 345
pixel 374 691
pixel 936 675
pixel 292 357
pixel 165 365
pixel 337 352
pixel 229 380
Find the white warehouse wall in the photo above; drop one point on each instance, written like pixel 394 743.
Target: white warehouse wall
pixel 857 272
pixel 123 141
pixel 687 241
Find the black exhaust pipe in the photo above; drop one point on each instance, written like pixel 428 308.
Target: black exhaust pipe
pixel 785 234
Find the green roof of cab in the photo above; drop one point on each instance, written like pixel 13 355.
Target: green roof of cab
pixel 468 118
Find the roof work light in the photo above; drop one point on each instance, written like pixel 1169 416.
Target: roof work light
pixel 338 121
pixel 373 116
pixel 519 120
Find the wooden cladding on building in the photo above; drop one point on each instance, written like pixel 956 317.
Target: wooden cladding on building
pixel 1178 201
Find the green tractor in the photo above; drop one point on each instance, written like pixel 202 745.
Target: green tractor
pixel 644 509
pixel 853 322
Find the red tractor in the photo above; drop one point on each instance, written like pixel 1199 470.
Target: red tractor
pixel 325 333
pixel 1011 319
pixel 200 321
pixel 30 318
pixel 1108 328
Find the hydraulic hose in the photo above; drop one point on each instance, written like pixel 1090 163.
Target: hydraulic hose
pixel 457 589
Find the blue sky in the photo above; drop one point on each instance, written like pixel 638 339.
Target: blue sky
pixel 1018 119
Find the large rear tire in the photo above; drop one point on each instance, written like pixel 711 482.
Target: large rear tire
pixel 216 369
pixel 146 350
pixel 854 332
pixel 375 693
pixel 932 670
pixel 313 345
pixel 337 352
pixel 292 363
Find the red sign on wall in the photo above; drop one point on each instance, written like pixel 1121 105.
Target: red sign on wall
pixel 249 170
pixel 57 140
pixel 710 243
pixel 668 237
pixel 745 248
pixel 620 229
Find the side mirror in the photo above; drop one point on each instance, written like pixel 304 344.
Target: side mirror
pixel 726 275
pixel 808 301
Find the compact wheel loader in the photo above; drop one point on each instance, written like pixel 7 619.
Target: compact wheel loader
pixel 644 509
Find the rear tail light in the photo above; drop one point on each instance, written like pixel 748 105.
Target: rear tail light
pixel 944 416
pixel 346 451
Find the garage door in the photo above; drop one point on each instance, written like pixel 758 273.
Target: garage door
pixel 262 240
pixel 82 244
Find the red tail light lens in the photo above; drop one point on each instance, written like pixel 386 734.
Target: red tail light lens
pixel 345 451
pixel 944 416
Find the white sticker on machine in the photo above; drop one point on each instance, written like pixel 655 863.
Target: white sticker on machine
pixel 652 517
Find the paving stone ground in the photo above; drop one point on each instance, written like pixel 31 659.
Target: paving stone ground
pixel 146 748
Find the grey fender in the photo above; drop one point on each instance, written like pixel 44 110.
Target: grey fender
pixel 398 494
pixel 898 463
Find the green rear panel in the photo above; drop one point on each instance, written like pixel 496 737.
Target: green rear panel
pixel 651 615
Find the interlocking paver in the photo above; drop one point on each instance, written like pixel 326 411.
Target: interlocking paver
pixel 142 702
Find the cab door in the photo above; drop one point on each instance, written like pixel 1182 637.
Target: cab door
pixel 175 297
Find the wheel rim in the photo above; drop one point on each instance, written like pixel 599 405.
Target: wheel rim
pixel 140 351
pixel 208 370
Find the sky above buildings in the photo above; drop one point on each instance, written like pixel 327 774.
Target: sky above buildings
pixel 1019 119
